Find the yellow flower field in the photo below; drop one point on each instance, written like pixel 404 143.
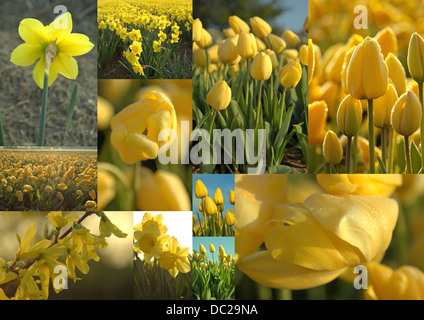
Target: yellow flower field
pixel 148 35
pixel 48 180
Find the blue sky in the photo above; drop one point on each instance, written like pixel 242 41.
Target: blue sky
pixel 212 181
pixel 226 242
pixel 295 16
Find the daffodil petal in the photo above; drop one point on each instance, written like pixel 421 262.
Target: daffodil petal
pixel 32 31
pixel 74 44
pixel 262 268
pixel 66 66
pixel 38 72
pixel 26 54
pixel 60 27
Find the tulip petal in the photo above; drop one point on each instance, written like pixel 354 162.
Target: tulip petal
pixel 262 268
pixel 74 44
pixel 32 31
pixel 67 66
pixel 26 54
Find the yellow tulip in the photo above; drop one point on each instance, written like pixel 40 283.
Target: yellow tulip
pixel 406 114
pixel 19 195
pixel 92 194
pixel 211 248
pixel 202 249
pixel 209 207
pixel 205 39
pixel 161 191
pixel 291 38
pixel 197 29
pixel 79 193
pixel 261 67
pixel 227 50
pixel 360 184
pixel 200 57
pixel 219 96
pixel 311 243
pixel 332 148
pixel 136 128
pixel 313 60
pixel 276 43
pixel 317 116
pixel 386 38
pixel 367 73
pixel 231 197
pixel 396 73
pixel 273 56
pixel 260 27
pixel 91 205
pixel 27 188
pixel 290 74
pixel 200 189
pixel 105 112
pixel 217 197
pixel 246 45
pixel 404 283
pixel 229 218
pixel 59 195
pixel 383 106
pixel 62 186
pixel 238 25
pixel 416 57
pixel 349 116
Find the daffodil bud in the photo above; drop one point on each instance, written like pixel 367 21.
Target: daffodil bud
pixel 227 50
pixel 209 207
pixel 136 128
pixel 246 45
pixel 200 189
pixel 261 67
pixel 332 148
pixel 276 43
pixel 396 73
pixel 317 117
pixel 260 27
pixel 229 218
pixel 238 25
pixel 197 29
pixel 349 116
pixel 291 38
pixel 205 39
pixel 367 74
pixel 217 197
pixel 416 57
pixel 290 74
pixel 219 96
pixel 406 114
pixel 386 38
pixel 383 107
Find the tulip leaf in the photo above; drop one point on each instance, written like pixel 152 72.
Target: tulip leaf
pixel 279 169
pixel 382 165
pixel 415 158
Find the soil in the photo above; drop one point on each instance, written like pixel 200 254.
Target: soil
pixel 20 97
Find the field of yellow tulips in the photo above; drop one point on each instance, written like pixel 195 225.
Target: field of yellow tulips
pixel 366 91
pixel 150 39
pixel 251 80
pixel 330 236
pixel 40 180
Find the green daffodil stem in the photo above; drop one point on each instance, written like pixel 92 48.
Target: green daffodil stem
pixel 408 156
pixel 371 135
pixel 70 113
pixel 43 109
pixel 421 96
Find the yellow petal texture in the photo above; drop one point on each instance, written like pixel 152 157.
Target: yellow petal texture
pixel 32 31
pixel 404 283
pixel 75 44
pixel 365 184
pixel 26 54
pixel 406 114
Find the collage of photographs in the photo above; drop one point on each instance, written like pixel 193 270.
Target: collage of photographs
pixel 184 150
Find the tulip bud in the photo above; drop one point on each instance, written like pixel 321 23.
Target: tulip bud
pixel 229 218
pixel 246 45
pixel 232 196
pixel 219 96
pixel 227 50
pixel 406 114
pixel 200 189
pixel 396 73
pixel 211 248
pixel 349 116
pixel 261 67
pixel 332 148
pixel 218 198
pixel 273 56
pixel 209 206
pixel 62 186
pixel 386 38
pixel 238 25
pixel 19 195
pixel 59 195
pixel 229 32
pixel 291 38
pixel 367 74
pixel 276 43
pixel 290 74
pixel 197 29
pixel 383 107
pixel 416 57
pixel 200 57
pixel 92 194
pixel 317 116
pixel 205 39
pixel 260 27
pixel 303 53
pixel 48 189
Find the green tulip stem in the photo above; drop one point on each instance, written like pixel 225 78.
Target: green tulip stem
pixel 354 152
pixel 247 81
pixel 349 155
pixel 384 144
pixel 391 155
pixel 371 135
pixel 1 134
pixel 259 115
pixel 421 96
pixel 43 109
pixel 408 156
pixel 207 67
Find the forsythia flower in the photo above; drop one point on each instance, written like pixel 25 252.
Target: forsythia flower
pixel 38 38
